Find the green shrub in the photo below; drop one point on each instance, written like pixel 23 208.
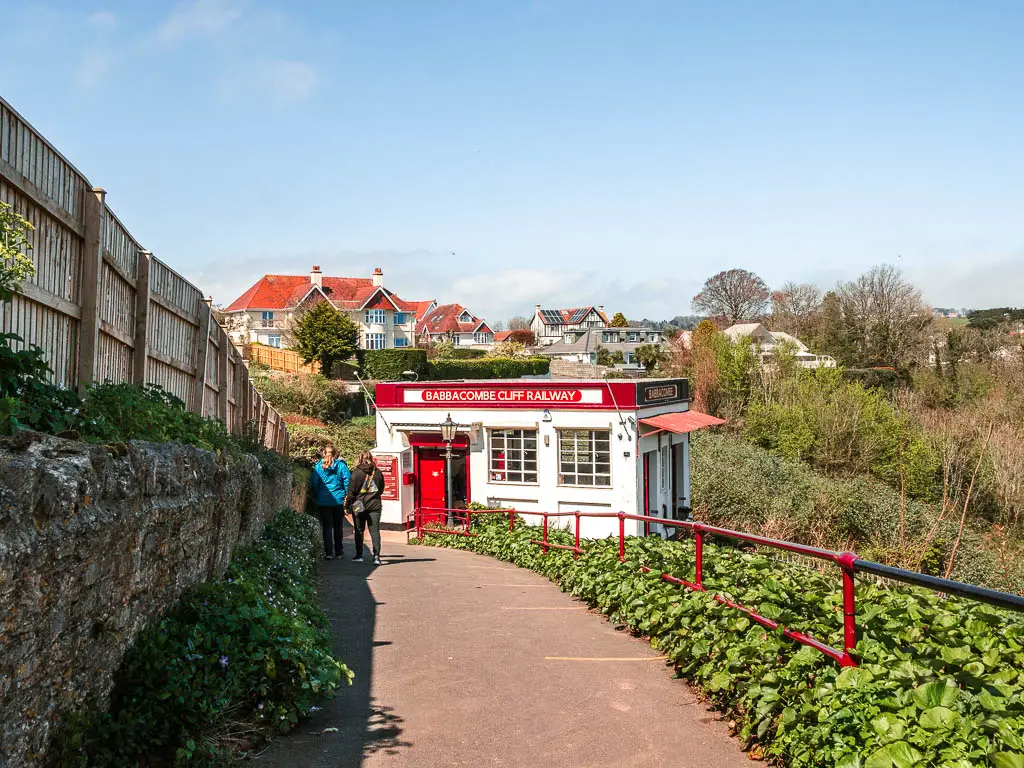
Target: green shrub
pixel 487 368
pixel 939 681
pixel 874 378
pixel 116 413
pixel 28 400
pixel 738 485
pixel 238 658
pixel 390 364
pixel 315 396
pixel 305 442
pixel 465 353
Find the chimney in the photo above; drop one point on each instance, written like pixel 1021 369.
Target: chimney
pixel 316 277
pixel 378 277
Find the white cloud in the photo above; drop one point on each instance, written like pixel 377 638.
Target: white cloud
pixel 198 18
pixel 289 81
pixel 93 65
pixel 102 20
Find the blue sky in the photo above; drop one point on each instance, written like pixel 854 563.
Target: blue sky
pixel 503 153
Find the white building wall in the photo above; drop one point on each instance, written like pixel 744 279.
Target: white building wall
pixel 545 495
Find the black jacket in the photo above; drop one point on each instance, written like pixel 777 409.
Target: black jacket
pixel 371 500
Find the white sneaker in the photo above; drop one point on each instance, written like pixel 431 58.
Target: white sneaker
pixel 357 559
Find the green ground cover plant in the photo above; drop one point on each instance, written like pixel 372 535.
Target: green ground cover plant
pixel 939 682
pixel 235 661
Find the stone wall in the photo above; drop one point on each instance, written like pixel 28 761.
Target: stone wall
pixel 95 543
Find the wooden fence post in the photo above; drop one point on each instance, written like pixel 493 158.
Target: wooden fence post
pixel 222 373
pixel 202 348
pixel 92 273
pixel 141 351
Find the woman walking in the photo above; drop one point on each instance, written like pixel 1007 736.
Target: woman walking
pixel 328 485
pixel 363 501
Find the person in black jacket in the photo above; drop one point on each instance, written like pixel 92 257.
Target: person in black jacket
pixel 363 501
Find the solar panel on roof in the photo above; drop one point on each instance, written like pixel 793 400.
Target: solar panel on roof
pixel 578 315
pixel 551 316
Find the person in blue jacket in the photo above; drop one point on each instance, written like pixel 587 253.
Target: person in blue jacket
pixel 328 484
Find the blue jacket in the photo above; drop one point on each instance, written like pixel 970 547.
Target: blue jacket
pixel 329 486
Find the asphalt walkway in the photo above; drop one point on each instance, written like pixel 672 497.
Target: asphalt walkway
pixel 461 660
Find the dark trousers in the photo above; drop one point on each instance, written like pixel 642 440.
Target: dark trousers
pixel 371 520
pixel 332 521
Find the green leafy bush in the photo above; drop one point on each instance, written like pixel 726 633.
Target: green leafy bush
pixel 314 396
pixel 466 353
pixel 940 681
pixel 487 368
pixel 28 400
pixel 116 413
pixel 738 485
pixel 236 660
pixel 390 364
pixel 306 442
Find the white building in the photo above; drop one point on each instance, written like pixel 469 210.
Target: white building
pixel 539 445
pixel 265 312
pixel 551 325
pixel 455 323
pixel 765 342
pixel 583 346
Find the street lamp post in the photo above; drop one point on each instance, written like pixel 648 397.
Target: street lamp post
pixel 448 429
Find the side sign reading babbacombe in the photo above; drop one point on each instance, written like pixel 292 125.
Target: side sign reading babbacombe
pixel 510 396
pixel 662 392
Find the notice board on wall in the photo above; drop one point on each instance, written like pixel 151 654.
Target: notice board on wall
pixel 388 466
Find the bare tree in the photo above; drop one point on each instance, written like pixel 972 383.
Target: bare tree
pixel 519 323
pixel 796 309
pixel 735 295
pixel 886 318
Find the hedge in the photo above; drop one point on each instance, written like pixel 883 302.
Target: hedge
pixel 488 368
pixel 939 682
pixel 390 364
pixel 461 353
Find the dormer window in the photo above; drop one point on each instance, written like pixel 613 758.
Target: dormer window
pixel 465 317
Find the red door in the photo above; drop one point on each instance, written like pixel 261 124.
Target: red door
pixel 431 486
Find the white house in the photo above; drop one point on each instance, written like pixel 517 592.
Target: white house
pixel 583 346
pixel 455 323
pixel 551 325
pixel 265 312
pixel 765 343
pixel 538 446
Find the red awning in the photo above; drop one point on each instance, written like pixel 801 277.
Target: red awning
pixel 681 423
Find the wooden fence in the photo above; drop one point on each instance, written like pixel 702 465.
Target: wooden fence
pixel 275 359
pixel 104 308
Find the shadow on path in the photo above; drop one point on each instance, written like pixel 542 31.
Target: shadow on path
pixel 353 726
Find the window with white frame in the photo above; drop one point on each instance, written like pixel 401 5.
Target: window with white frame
pixel 401 341
pixel 632 337
pixel 399 318
pixel 456 339
pixel 665 467
pixel 513 455
pixel 481 337
pixel 376 341
pixel 584 457
pixel 465 317
pixel 375 317
pixel 274 341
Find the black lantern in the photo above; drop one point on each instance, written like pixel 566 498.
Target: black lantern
pixel 448 429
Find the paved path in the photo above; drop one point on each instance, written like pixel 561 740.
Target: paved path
pixel 462 660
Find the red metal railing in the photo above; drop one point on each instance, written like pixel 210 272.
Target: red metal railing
pixel 844 560
pixel 848 563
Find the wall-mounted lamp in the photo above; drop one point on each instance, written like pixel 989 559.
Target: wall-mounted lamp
pixel 547 415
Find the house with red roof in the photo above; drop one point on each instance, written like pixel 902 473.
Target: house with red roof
pixel 552 325
pixel 266 311
pixel 455 323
